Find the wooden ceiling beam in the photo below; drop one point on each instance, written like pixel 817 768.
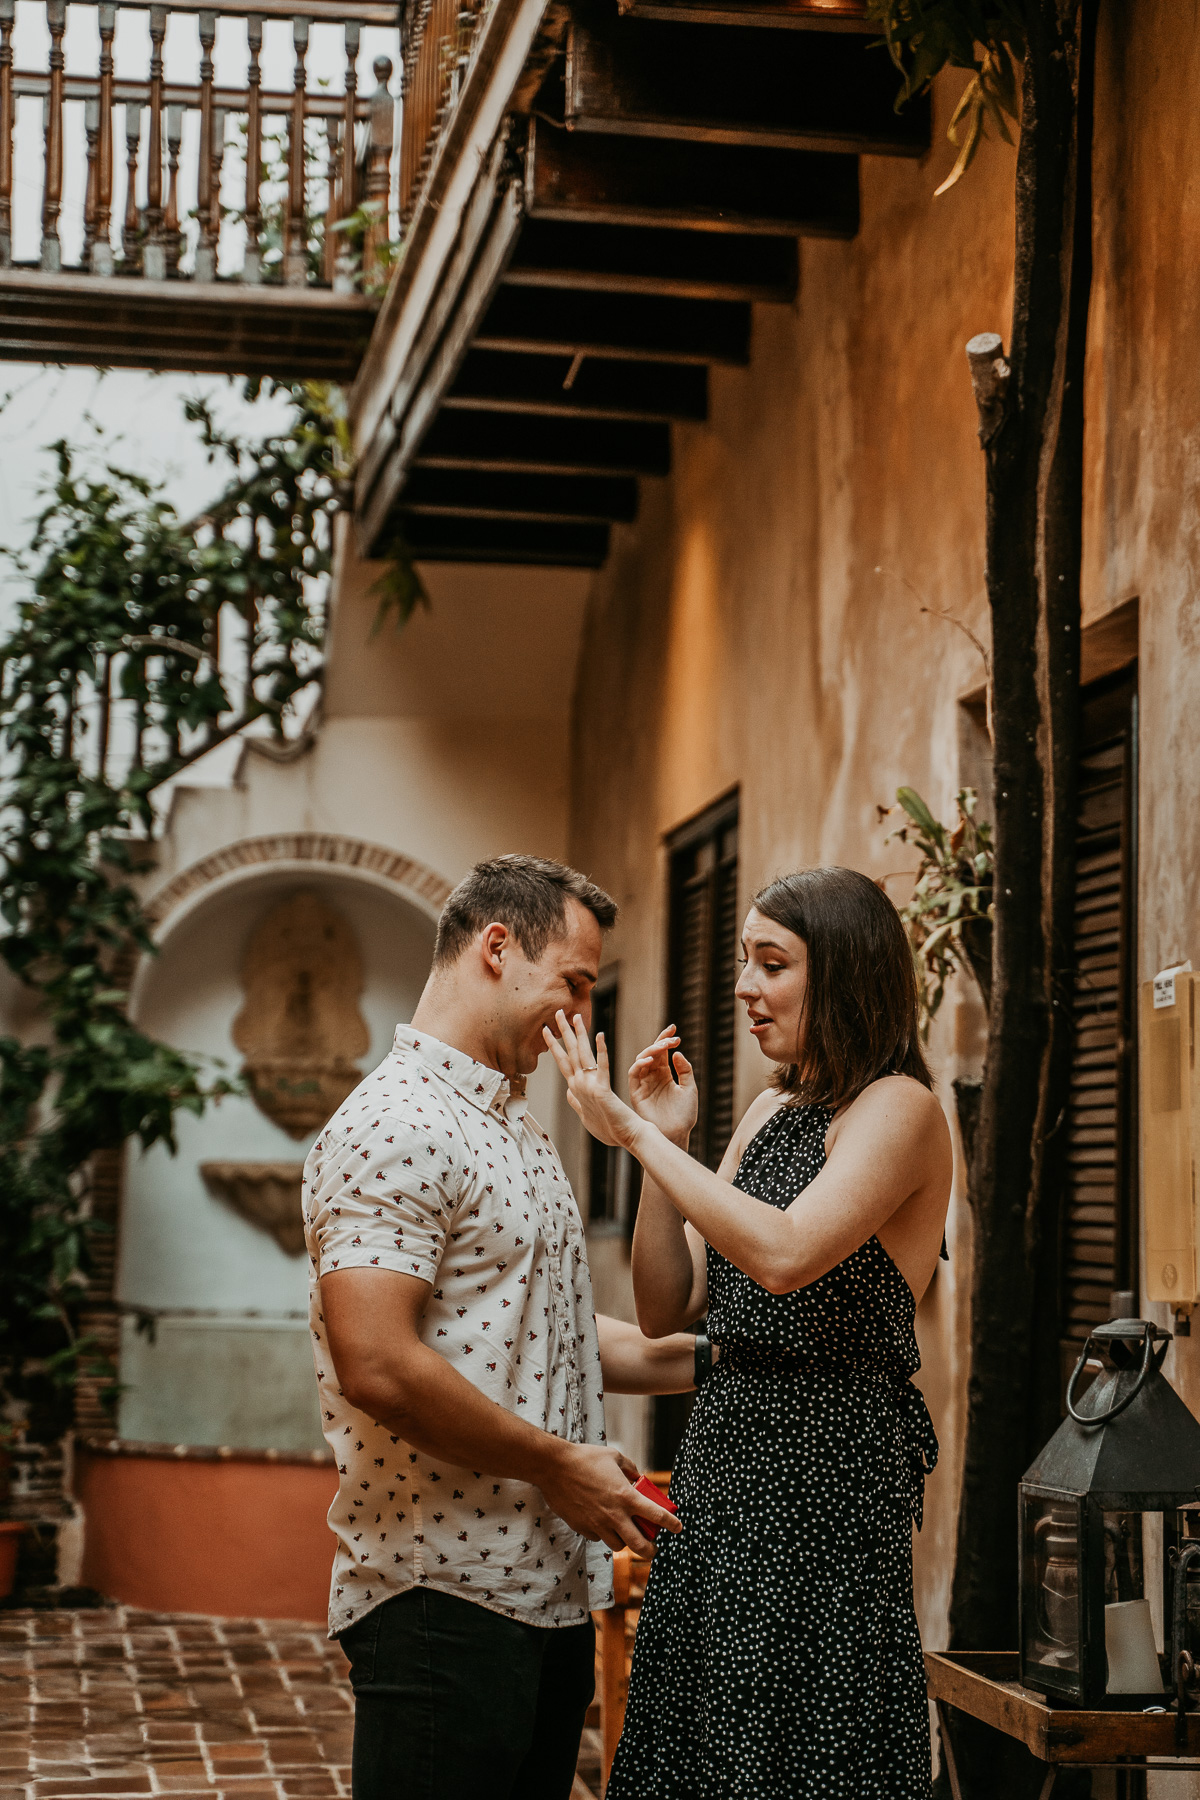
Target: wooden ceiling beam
pixel 725 85
pixel 475 494
pixel 550 543
pixel 498 380
pixel 591 179
pixel 512 441
pixel 692 265
pixel 634 327
pixel 774 15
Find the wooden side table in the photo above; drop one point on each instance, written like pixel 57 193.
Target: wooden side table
pixel 984 1684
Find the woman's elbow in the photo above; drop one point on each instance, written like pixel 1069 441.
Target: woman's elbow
pixel 783 1275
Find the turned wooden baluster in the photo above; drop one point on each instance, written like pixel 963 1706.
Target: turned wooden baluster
pixel 91 131
pixel 252 263
pixel 218 168
pixel 206 250
pixel 131 230
pixel 379 169
pixel 343 255
pixel 295 256
pixel 100 242
pixel 172 235
pixel 330 245
pixel 7 14
pixel 154 253
pixel 56 19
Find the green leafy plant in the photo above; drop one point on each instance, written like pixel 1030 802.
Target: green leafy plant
pixel 986 37
pixel 949 916
pixel 140 643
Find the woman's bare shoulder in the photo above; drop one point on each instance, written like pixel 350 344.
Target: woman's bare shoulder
pixel 895 1103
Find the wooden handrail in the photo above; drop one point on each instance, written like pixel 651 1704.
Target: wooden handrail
pixel 356 142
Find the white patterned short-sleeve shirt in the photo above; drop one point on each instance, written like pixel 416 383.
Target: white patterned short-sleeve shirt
pixel 435 1168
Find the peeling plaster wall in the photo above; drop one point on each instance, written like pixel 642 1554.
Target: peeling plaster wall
pixel 770 620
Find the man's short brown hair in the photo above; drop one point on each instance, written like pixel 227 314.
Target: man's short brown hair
pixel 528 894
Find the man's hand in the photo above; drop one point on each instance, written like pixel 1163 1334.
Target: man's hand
pixel 592 1489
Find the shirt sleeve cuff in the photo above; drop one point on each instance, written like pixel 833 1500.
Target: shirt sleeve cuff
pixel 399 1261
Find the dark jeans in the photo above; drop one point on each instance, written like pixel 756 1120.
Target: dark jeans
pixel 453 1702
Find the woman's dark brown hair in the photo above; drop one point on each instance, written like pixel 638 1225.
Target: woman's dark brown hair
pixel 860 1017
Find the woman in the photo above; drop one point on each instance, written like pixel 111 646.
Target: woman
pixel 777 1654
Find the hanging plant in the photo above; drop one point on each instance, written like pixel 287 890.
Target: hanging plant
pixel 949 916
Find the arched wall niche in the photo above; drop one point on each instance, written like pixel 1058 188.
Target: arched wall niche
pixel 230 1360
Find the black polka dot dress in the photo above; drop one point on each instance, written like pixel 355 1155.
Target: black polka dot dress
pixel 777 1653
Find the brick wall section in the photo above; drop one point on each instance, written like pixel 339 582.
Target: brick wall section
pixel 114 1702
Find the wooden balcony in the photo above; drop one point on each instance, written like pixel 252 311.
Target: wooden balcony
pixel 595 195
pixel 184 224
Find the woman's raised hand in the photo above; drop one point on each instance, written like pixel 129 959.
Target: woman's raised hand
pixel 589 1086
pixel 654 1093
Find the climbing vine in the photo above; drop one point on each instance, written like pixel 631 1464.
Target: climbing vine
pixel 141 642
pixel 949 914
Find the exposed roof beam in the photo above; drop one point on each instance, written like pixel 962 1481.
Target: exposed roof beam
pixel 693 265
pixel 593 179
pixel 554 544
pixel 506 441
pixel 630 326
pixel 573 387
pixel 776 15
pixel 717 84
pixel 474 494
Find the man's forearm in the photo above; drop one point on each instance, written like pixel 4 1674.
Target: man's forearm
pixel 435 1409
pixel 633 1364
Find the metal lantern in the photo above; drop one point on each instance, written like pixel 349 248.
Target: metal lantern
pixel 1105 1512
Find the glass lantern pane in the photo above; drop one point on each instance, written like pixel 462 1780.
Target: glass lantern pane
pixel 1130 1635
pixel 1051 1620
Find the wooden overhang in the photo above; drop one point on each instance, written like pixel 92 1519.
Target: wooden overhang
pixel 608 196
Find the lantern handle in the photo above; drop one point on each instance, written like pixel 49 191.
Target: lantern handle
pixel 1148 1357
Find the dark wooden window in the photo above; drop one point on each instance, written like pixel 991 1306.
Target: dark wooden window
pixel 613 1176
pixel 702 969
pixel 702 952
pixel 1100 1215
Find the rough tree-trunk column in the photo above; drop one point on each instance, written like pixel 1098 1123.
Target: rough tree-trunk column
pixel 1031 427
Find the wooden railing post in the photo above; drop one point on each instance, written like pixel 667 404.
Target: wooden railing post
pixel 7 14
pixel 154 255
pixel 252 261
pixel 91 132
pixel 329 244
pixel 343 260
pixel 172 235
pixel 132 228
pixel 100 242
pixel 206 249
pixel 56 19
pixel 295 255
pixel 378 184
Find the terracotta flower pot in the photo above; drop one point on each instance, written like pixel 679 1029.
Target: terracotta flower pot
pixel 10 1543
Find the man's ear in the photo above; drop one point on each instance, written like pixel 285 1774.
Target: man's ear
pixel 494 940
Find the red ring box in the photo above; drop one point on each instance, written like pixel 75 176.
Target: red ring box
pixel 646 1486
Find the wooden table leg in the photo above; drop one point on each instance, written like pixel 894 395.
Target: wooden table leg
pixel 1048 1784
pixel 943 1713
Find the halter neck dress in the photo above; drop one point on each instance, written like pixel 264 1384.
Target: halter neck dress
pixel 777 1655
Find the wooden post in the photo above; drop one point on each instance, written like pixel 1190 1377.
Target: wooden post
pixel 7 14
pixel 154 255
pixel 206 249
pixel 295 255
pixel 56 19
pixel 100 239
pixel 329 245
pixel 172 235
pixel 252 209
pixel 379 168
pixel 132 228
pixel 343 266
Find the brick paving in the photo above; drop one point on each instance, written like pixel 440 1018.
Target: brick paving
pixel 116 1702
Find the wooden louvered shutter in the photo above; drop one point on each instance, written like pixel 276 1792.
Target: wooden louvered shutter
pixel 1100 1224
pixel 702 947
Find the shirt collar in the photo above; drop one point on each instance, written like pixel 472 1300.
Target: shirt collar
pixel 488 1089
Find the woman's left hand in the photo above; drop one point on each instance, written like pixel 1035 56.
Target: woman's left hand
pixel 589 1085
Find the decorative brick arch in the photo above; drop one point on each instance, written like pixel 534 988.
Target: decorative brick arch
pixel 412 880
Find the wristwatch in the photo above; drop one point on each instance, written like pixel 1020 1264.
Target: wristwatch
pixel 704 1359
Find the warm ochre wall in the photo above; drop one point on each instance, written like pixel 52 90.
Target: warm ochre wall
pixel 769 622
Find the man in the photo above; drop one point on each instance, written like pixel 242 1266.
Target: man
pixel 461 1370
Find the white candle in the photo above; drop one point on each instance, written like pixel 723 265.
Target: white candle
pixel 1129 1640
